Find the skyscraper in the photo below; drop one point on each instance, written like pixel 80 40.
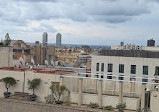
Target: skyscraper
pixel 151 43
pixel 45 39
pixel 58 40
pixel 44 43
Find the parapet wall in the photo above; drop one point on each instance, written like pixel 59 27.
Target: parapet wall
pixel 43 90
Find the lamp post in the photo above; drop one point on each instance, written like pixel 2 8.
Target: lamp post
pixel 24 82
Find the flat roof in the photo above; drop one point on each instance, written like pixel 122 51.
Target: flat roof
pixel 130 53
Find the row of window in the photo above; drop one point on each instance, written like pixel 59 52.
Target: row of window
pixel 120 77
pixel 121 69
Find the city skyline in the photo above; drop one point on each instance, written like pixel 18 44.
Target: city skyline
pixel 92 22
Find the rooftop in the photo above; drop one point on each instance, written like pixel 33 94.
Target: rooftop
pixel 46 70
pixel 130 53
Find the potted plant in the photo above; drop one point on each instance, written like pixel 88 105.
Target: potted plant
pixel 33 84
pixel 121 107
pixel 8 81
pixel 58 91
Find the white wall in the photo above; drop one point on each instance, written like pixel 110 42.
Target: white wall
pixel 43 89
pixel 131 103
pixel 154 101
pixel 6 56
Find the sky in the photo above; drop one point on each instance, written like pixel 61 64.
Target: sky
pixel 91 22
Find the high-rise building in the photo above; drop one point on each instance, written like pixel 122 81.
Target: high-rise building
pixel 58 40
pixel 121 43
pixel 45 39
pixel 44 43
pixel 151 43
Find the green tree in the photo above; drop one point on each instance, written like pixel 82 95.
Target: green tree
pixel 57 91
pixel 33 84
pixel 7 39
pixel 8 81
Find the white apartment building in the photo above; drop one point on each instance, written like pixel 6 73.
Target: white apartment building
pixel 134 47
pixel 128 63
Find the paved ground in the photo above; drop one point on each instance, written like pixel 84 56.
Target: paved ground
pixel 15 103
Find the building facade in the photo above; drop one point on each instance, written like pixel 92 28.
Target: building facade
pixel 58 40
pixel 20 53
pixel 6 56
pixel 45 39
pixel 128 63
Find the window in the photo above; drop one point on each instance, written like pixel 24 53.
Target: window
pixel 121 68
pixel 145 70
pixel 109 76
pixel 121 77
pixel 133 69
pixel 97 76
pixel 102 67
pixel 157 70
pixel 144 80
pixel 110 67
pixel 97 67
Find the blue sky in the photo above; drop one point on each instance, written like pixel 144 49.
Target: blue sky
pixel 98 22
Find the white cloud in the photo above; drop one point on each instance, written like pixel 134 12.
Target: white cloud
pixel 72 17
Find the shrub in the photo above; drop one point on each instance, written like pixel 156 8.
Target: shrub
pixel 121 107
pixel 58 91
pixel 108 107
pixel 50 99
pixel 93 105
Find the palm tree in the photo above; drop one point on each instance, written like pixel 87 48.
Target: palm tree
pixel 8 81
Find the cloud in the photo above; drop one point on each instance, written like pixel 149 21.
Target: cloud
pixel 111 11
pixel 37 0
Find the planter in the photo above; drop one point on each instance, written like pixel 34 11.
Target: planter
pixel 58 102
pixel 32 97
pixel 7 94
pixel 93 106
pixel 115 110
